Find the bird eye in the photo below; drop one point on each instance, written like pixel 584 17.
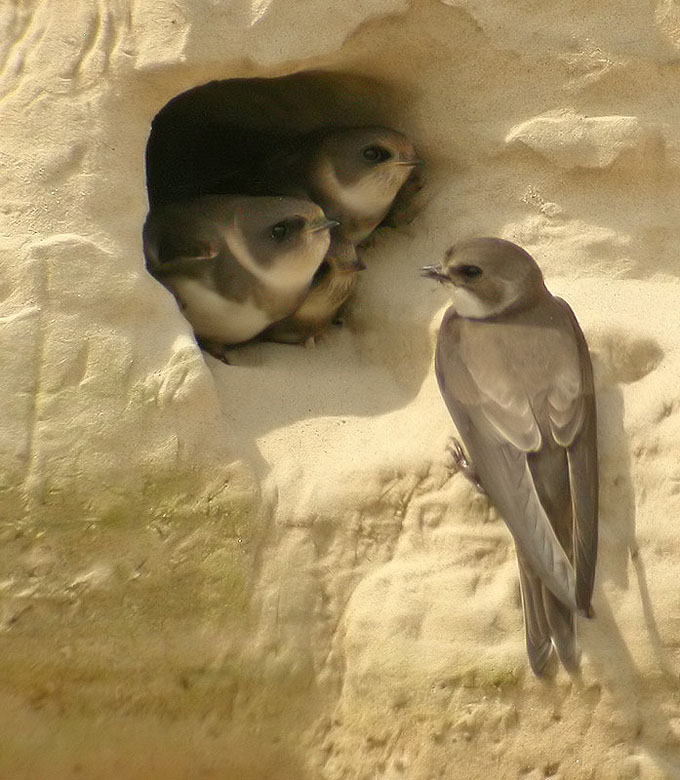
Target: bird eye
pixel 469 271
pixel 279 231
pixel 376 153
pixel 287 228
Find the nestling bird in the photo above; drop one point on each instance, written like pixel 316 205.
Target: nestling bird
pixel 236 264
pixel 332 285
pixel 514 370
pixel 354 174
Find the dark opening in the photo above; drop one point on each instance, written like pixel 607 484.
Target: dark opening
pixel 207 140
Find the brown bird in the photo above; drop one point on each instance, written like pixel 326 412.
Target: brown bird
pixel 354 174
pixel 236 264
pixel 514 370
pixel 332 285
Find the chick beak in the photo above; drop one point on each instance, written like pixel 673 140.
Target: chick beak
pixel 434 272
pixel 411 161
pixel 322 224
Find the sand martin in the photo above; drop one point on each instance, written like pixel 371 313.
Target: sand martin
pixel 332 285
pixel 236 264
pixel 354 174
pixel 514 370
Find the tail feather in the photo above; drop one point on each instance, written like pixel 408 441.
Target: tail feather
pixel 561 620
pixel 536 629
pixel 548 624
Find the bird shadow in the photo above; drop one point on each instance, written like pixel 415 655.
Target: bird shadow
pixel 603 641
pixel 359 370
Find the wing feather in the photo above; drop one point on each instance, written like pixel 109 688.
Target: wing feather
pixel 583 476
pixel 502 465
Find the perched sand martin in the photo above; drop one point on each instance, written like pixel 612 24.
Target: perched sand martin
pixel 514 370
pixel 236 264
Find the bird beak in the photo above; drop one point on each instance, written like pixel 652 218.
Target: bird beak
pixel 322 224
pixel 434 272
pixel 412 162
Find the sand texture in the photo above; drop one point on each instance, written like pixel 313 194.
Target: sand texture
pixel 267 571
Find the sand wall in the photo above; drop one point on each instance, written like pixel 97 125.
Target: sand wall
pixel 266 570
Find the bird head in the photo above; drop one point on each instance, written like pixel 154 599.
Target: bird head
pixel 280 238
pixel 488 276
pixel 363 167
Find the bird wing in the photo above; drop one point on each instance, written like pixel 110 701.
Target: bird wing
pixel 499 429
pixel 580 439
pixel 504 405
pixel 174 242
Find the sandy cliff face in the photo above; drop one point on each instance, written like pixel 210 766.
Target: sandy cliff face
pixel 266 570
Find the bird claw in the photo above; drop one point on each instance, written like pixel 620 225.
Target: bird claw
pixel 455 449
pixel 214 348
pixel 462 464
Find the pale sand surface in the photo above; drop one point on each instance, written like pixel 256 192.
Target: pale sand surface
pixel 267 570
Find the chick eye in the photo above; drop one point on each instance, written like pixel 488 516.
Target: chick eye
pixel 376 153
pixel 279 231
pixel 469 271
pixel 287 228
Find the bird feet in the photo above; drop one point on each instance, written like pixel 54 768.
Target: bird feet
pixel 215 348
pixel 462 464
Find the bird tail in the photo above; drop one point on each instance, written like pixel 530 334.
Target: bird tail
pixel 548 624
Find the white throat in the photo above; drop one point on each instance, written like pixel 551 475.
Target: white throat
pixel 470 306
pixel 368 195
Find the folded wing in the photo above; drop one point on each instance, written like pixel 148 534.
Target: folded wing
pixel 500 429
